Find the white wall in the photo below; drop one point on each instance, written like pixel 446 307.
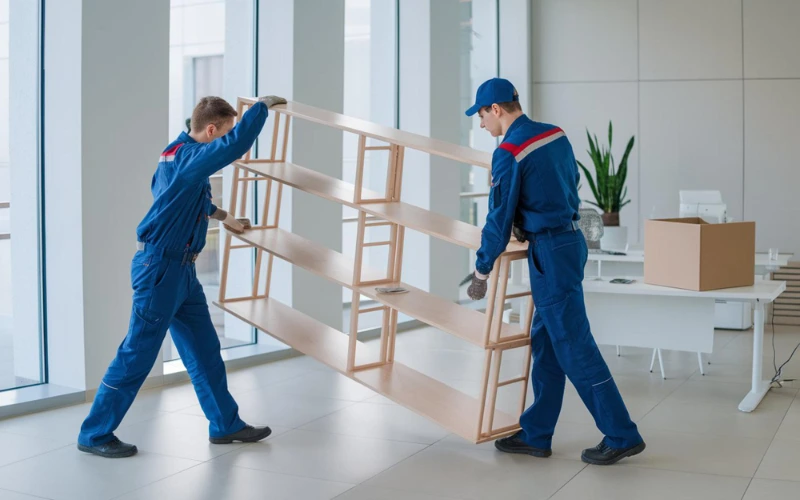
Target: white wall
pixel 710 90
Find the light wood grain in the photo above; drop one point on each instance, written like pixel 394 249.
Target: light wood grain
pixel 383 133
pixel 462 322
pixel 307 254
pixel 323 343
pixel 404 214
pixel 450 408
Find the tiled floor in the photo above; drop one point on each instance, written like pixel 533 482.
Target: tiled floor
pixel 334 438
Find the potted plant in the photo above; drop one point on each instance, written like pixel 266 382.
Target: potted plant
pixel 608 185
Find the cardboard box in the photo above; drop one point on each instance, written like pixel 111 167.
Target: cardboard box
pixel 694 255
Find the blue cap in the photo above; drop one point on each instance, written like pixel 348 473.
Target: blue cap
pixel 493 91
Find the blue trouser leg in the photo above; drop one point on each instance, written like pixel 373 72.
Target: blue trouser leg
pixel 556 265
pixel 166 295
pixel 547 382
pixel 197 342
pixel 157 287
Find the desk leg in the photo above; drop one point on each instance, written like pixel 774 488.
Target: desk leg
pixel 759 387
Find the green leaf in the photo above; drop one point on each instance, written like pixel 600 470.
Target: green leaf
pixel 589 179
pixel 609 135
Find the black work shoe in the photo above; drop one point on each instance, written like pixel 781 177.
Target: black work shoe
pixel 602 454
pixel 249 434
pixel 515 444
pixel 113 449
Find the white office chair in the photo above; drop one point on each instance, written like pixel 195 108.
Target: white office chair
pixel 657 351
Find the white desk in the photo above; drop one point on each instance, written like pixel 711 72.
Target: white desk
pixel 632 263
pixel 643 315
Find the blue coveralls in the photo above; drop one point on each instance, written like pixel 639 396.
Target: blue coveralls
pixel 166 291
pixel 534 182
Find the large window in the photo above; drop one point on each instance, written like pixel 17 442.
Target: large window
pixel 197 69
pixel 370 93
pixel 21 335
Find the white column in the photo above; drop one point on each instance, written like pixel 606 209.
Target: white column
pixel 64 194
pixel 318 79
pixel 23 117
pixel 102 139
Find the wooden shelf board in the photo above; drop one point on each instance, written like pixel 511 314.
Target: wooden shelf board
pixel 462 322
pixel 309 336
pixel 309 255
pixel 409 216
pixel 450 408
pixel 383 133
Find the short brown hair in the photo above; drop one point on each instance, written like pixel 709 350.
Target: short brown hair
pixel 211 109
pixel 508 107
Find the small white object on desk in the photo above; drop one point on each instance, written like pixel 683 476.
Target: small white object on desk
pixel 650 316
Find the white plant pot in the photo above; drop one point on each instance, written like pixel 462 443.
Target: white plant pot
pixel 614 238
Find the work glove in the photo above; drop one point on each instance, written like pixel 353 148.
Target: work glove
pixel 516 228
pixel 477 289
pixel 235 225
pixel 271 100
pixel 519 234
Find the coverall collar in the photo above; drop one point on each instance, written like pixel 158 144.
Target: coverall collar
pixel 184 138
pixel 516 124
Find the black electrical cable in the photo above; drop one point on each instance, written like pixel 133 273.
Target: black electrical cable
pixel 779 369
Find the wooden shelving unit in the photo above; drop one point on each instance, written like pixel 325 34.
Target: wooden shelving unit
pixel 373 365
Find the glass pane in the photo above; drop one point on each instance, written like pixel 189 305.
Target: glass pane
pixel 370 92
pixel 197 59
pixel 21 343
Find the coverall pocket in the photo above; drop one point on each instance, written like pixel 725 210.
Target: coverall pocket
pixel 147 317
pixel 161 269
pixel 565 239
pixel 534 261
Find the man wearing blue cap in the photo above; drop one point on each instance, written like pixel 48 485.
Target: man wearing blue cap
pixel 534 193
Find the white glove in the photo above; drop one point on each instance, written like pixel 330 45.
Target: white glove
pixel 272 100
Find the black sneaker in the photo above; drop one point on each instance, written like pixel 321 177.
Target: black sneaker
pixel 249 434
pixel 602 454
pixel 113 449
pixel 515 444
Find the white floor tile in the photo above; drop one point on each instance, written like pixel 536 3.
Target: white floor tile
pixel 16 447
pixel 321 385
pixel 281 411
pixel 790 427
pixel 712 409
pixel 781 461
pixel 68 474
pixel 770 489
pixel 331 457
pixel 64 424
pixel 218 481
pixel 179 435
pixel 390 422
pixel 10 495
pixel 616 482
pixel 702 454
pixel 267 374
pixel 369 493
pixel 478 474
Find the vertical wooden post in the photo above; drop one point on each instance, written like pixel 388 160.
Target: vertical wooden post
pixel 502 284
pixel 355 305
pixel 285 138
pixel 495 381
pixel 359 258
pixel 491 297
pixel 385 334
pixel 362 144
pixel 398 185
pixel 223 283
pixel 487 365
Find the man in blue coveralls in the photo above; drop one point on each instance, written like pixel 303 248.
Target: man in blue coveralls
pixel 166 292
pixel 534 194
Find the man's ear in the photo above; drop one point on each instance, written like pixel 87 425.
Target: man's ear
pixel 496 109
pixel 211 129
